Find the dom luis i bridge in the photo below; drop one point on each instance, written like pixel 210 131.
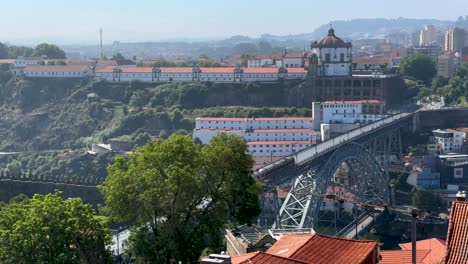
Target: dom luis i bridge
pixel 352 168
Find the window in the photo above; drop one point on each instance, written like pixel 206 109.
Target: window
pixel 342 58
pixel 327 57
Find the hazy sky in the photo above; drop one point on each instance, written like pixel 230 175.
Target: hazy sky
pixel 78 21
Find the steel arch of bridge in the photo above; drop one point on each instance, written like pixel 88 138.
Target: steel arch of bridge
pixel 368 184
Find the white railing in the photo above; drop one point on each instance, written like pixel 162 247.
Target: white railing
pixel 316 150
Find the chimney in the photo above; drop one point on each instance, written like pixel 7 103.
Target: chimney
pixel 461 195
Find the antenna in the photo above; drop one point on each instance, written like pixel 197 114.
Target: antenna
pixel 100 38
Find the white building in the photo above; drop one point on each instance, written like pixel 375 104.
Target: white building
pixel 428 36
pixel 22 62
pixel 450 140
pixel 265 137
pixel 294 59
pixel 213 74
pixel 58 71
pixel 351 112
pixel 334 55
pixel 266 60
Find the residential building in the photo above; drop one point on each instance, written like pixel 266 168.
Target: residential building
pixel 314 249
pixel 266 60
pixel 58 71
pixel 446 64
pixel 265 137
pixel 333 55
pixel 464 54
pixel 22 62
pixel 432 51
pixel 351 112
pixel 116 63
pixel 246 239
pixel 453 169
pixel 455 39
pixel 451 140
pixel 428 36
pixel 457 233
pixel 294 59
pixel 428 251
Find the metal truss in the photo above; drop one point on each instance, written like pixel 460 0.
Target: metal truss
pixel 368 184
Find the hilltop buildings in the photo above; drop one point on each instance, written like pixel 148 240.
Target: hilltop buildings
pixel 428 36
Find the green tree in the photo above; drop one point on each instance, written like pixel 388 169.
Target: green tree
pixel 49 50
pixel 428 201
pixel 3 51
pixel 49 229
pixel 15 51
pixel 179 195
pixel 418 66
pixel 118 56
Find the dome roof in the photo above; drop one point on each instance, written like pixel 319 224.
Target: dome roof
pixel 331 39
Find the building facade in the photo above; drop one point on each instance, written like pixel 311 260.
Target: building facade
pixel 455 39
pixel 428 36
pixel 58 71
pixel 450 140
pixel 432 51
pixel 265 137
pixel 352 112
pixel 333 56
pixel 446 64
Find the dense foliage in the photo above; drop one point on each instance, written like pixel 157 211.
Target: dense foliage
pixel 178 195
pixel 49 50
pixel 418 66
pixel 49 229
pixel 456 90
pixel 428 201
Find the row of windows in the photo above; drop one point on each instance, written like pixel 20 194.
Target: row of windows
pixel 285 146
pixel 54 73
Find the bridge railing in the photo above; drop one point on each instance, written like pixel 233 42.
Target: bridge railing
pixel 311 152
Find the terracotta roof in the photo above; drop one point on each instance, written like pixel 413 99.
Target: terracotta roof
pixel 457 234
pixel 436 246
pixel 331 39
pixel 268 56
pixel 283 118
pixel 295 142
pixel 296 70
pixel 403 256
pixel 241 258
pixel 235 119
pixel 354 102
pixel 294 54
pixel 289 244
pixel 176 69
pixel 325 249
pixel 55 68
pixel 219 130
pixel 265 258
pixel 261 70
pixel 291 130
pixel 452 130
pixel 7 61
pixel 110 69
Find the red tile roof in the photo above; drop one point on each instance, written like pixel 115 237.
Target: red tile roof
pixel 265 258
pixel 295 54
pixel 283 118
pixel 436 246
pixel 322 249
pixel 289 244
pixel 296 70
pixel 292 130
pixel 55 68
pixel 261 70
pixel 268 56
pixel 241 258
pixel 403 256
pixel 457 234
pixel 7 61
pixel 219 130
pixel 292 142
pixel 234 119
pixel 354 102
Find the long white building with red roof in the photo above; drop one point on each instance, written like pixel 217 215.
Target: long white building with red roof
pixel 213 74
pixel 265 137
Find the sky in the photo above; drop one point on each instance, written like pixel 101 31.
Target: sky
pixel 78 21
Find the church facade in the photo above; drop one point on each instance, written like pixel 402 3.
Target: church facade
pixel 330 76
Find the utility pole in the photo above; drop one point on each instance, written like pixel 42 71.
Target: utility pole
pixel 100 40
pixel 414 214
